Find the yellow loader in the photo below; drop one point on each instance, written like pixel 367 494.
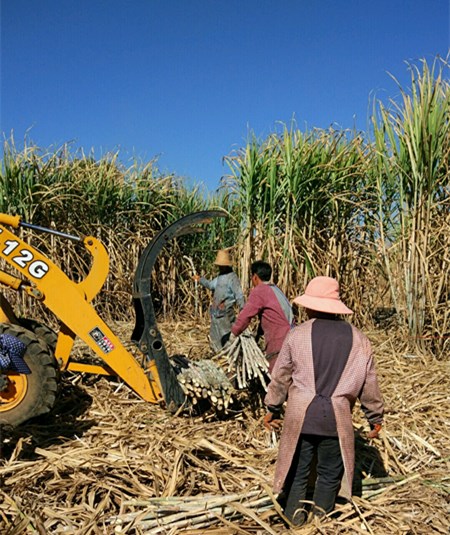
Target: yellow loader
pixel 47 354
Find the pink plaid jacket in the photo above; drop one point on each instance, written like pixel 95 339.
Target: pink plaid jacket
pixel 293 379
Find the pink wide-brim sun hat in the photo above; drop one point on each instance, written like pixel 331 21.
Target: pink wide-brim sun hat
pixel 322 295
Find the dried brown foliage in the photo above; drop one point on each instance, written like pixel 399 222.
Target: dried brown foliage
pixel 106 461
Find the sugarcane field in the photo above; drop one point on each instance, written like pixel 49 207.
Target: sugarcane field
pixel 142 426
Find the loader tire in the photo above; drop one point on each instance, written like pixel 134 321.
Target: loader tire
pixel 44 333
pixel 27 396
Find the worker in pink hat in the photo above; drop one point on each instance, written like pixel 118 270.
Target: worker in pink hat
pixel 324 366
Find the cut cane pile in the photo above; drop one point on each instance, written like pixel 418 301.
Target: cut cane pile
pixel 109 463
pixel 204 380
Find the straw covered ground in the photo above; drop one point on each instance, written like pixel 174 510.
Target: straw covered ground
pixel 107 462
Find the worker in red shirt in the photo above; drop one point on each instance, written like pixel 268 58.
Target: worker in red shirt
pixel 267 302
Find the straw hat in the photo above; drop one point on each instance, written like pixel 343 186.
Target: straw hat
pixel 322 294
pixel 223 258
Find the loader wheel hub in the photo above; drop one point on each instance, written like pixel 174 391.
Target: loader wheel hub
pixel 13 392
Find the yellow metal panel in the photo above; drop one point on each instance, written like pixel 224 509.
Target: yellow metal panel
pixel 64 346
pixel 96 277
pixel 87 368
pixel 10 220
pixel 10 281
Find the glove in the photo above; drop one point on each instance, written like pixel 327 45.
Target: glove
pixel 376 428
pixel 271 422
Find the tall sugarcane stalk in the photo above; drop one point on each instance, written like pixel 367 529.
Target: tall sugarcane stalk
pixel 193 274
pixel 413 144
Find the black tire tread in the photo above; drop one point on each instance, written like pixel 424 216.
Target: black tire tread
pixel 41 397
pixel 42 331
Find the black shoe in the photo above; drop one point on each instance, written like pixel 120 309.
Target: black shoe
pixel 299 517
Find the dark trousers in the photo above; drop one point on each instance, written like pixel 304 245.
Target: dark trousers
pixel 330 469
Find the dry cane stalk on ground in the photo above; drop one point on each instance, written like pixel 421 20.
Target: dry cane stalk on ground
pixel 109 463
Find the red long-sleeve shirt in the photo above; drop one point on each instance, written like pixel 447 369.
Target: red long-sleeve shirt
pixel 263 303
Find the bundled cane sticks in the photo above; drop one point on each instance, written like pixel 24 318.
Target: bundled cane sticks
pixel 246 360
pixel 176 514
pixel 203 380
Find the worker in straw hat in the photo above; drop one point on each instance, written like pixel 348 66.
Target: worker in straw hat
pixel 227 294
pixel 324 366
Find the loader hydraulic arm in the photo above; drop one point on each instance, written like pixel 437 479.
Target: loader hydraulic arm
pixel 70 302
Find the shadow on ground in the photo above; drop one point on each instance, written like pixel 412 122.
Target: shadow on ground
pixel 368 463
pixel 63 423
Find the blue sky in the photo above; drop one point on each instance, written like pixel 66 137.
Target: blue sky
pixel 187 80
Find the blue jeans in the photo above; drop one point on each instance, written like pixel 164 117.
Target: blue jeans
pixel 330 469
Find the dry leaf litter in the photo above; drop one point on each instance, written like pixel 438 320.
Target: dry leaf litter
pixel 108 463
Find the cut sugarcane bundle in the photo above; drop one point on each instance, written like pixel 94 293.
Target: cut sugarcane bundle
pixel 246 361
pixel 175 514
pixel 205 380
